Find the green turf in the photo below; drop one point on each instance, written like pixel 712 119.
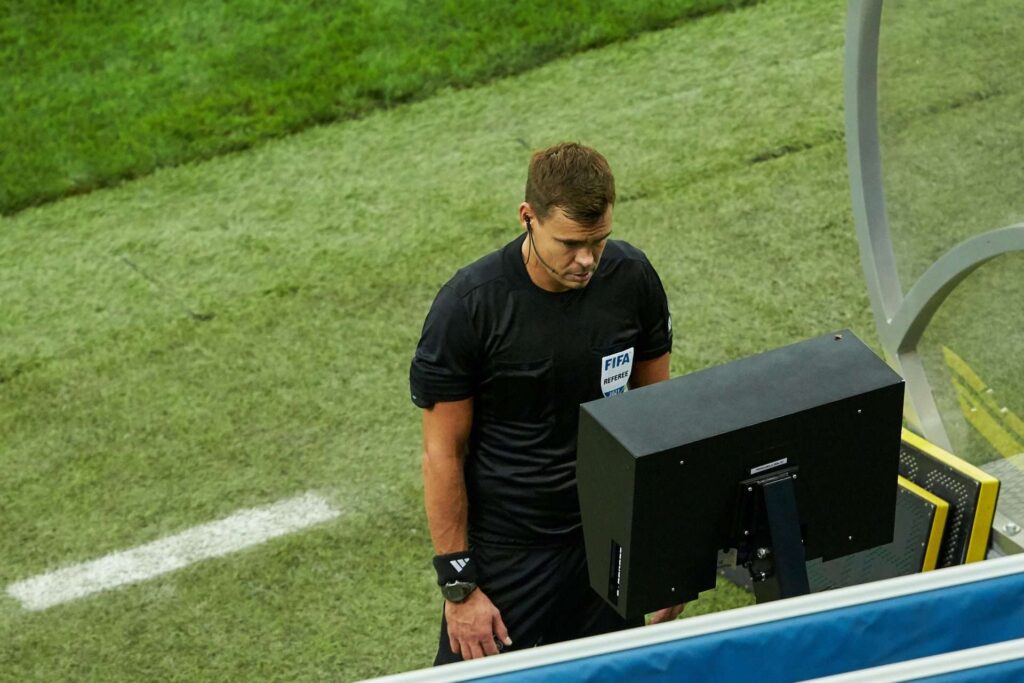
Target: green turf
pixel 102 91
pixel 231 333
pixel 950 161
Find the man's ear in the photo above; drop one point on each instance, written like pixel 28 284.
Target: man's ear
pixel 526 215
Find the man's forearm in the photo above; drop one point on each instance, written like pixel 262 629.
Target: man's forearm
pixel 649 372
pixel 444 493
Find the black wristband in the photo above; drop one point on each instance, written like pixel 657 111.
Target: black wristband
pixel 452 567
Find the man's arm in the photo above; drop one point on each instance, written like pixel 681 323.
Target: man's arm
pixel 446 429
pixel 649 371
pixel 474 623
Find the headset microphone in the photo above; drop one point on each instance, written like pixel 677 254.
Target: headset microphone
pixel 533 247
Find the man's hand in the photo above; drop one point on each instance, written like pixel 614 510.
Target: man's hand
pixel 667 614
pixel 473 625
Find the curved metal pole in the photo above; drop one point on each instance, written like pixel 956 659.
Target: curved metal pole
pixel 876 252
pixel 865 159
pixel 902 333
pixel 901 321
pixel 924 298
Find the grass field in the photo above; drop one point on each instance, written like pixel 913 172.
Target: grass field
pixel 232 333
pixel 99 92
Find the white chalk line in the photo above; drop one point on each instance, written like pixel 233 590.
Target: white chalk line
pixel 243 529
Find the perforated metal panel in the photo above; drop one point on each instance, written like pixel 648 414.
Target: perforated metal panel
pixel 971 495
pixel 970 492
pixel 945 482
pixel 917 537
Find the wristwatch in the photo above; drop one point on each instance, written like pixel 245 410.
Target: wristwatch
pixel 457 591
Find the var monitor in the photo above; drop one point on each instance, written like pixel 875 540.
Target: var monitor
pixel 768 461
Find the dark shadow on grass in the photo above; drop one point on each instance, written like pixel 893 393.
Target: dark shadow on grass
pixel 964 101
pixel 376 98
pixel 794 148
pixel 18 369
pixel 167 294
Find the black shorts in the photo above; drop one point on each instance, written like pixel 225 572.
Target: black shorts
pixel 543 594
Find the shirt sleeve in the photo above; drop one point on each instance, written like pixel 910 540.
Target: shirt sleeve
pixel 444 367
pixel 655 317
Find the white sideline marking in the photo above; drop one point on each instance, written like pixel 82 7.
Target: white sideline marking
pixel 243 529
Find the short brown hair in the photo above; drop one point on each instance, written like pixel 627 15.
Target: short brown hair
pixel 573 177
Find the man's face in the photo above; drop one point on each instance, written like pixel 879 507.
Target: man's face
pixel 570 251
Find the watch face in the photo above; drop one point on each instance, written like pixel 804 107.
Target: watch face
pixel 457 591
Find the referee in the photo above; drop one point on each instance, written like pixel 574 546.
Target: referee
pixel 511 347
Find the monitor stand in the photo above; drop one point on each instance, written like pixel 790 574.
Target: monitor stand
pixel 771 546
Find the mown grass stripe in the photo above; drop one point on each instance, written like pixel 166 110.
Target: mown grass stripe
pixel 100 93
pixel 243 529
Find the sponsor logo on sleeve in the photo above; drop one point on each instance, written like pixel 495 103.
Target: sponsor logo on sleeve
pixel 615 371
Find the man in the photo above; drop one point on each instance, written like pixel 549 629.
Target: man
pixel 511 347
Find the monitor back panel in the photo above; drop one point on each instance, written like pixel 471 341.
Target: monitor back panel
pixel 659 468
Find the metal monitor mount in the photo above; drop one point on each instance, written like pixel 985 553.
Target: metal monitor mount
pixel 769 539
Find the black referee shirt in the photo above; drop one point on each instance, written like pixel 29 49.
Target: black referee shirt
pixel 529 358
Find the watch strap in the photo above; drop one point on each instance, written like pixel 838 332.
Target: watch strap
pixel 457 591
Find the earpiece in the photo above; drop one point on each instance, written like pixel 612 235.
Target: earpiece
pixel 528 226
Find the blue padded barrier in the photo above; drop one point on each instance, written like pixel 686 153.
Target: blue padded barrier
pixel 954 624
pixel 819 644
